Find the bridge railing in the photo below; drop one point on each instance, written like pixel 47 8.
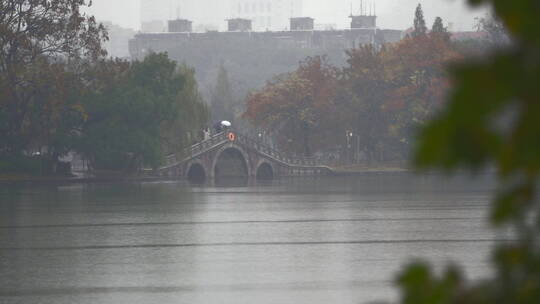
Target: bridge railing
pixel 196 149
pixel 205 145
pixel 283 157
pixel 219 138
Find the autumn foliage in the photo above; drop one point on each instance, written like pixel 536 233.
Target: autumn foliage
pixel 296 102
pixel 380 96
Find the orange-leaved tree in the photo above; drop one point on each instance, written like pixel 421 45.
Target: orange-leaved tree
pixel 417 69
pixel 293 106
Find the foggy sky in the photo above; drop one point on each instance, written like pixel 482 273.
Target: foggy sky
pixel 393 14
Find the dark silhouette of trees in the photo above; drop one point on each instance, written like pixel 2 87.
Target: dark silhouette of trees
pixel 438 29
pixel 420 27
pixel 438 26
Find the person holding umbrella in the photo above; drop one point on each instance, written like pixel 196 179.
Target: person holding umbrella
pixel 222 125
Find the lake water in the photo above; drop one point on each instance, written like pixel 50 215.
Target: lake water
pixel 319 240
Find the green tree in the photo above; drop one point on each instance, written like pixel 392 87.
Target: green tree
pixel 57 112
pixel 132 109
pixel 222 102
pixel 492 121
pixel 192 116
pixel 420 27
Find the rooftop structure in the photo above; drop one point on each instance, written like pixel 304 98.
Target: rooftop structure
pixel 363 22
pixel 252 57
pixel 240 34
pixel 302 24
pixel 180 26
pixel 267 15
pixel 239 25
pixel 155 12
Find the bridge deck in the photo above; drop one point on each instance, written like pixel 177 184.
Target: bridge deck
pixel 222 138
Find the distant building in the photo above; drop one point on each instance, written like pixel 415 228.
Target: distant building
pixel 271 15
pixel 153 15
pixel 253 57
pixel 239 25
pixel 240 32
pixel 265 14
pixel 326 26
pixel 156 13
pixel 363 22
pixel 211 13
pixel 154 26
pixel 180 26
pixel 118 44
pixel 302 24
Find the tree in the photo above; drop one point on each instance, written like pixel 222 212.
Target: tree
pixel 222 103
pixel 293 106
pixel 417 69
pixel 420 27
pixel 439 30
pixel 382 95
pixel 192 116
pixel 492 121
pixel 360 101
pixel 497 34
pixel 57 113
pixel 37 36
pixel 137 111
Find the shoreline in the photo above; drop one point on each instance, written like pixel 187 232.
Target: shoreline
pixel 29 180
pixel 43 180
pixel 363 169
pixel 344 171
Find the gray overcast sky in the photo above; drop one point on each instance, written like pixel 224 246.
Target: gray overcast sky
pixel 395 14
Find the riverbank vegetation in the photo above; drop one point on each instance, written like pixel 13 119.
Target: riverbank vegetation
pixel 372 106
pixel 59 93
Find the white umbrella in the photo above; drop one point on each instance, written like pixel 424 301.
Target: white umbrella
pixel 226 123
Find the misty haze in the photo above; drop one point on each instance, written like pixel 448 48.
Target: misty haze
pixel 269 151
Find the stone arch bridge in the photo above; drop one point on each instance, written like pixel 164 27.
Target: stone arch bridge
pixel 230 154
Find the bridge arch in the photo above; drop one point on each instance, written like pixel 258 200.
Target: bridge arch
pixel 265 171
pixel 196 172
pixel 231 161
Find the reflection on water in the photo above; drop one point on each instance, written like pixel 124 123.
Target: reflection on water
pixel 315 240
pixel 225 182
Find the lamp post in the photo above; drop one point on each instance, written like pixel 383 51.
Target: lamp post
pixel 357 149
pixel 349 135
pixel 353 151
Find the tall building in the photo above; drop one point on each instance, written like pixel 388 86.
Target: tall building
pixel 212 14
pixel 266 14
pixel 154 13
pixel 205 14
pixel 118 44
